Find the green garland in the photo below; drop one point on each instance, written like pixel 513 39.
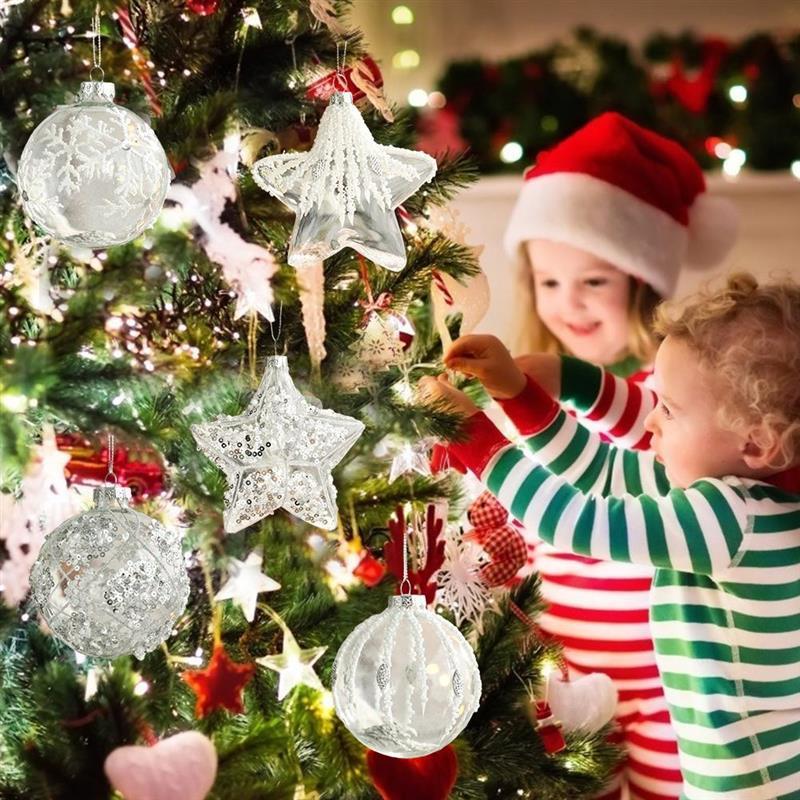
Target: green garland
pixel 712 95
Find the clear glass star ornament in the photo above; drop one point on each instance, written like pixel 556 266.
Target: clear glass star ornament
pixel 279 453
pixel 294 666
pixel 245 583
pixel 93 173
pixel 345 189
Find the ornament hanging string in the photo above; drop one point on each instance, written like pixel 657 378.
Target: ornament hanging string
pixel 371 305
pixel 111 476
pixel 97 45
pixel 341 60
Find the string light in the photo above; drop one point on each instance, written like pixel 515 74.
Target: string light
pixel 418 98
pixel 511 152
pixel 738 93
pixel 405 59
pixel 402 15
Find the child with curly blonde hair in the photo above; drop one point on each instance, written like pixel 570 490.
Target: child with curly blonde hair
pixel 714 506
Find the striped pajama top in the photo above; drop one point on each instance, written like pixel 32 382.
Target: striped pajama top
pixel 598 610
pixel 725 607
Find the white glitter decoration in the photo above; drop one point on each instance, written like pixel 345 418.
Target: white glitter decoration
pixel 405 681
pixel 111 581
pixel 279 453
pixel 93 173
pixel 345 189
pixel 461 587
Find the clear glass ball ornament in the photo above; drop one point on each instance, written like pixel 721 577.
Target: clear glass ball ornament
pixel 405 681
pixel 111 581
pixel 93 173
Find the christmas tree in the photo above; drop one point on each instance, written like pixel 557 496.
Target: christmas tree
pixel 140 342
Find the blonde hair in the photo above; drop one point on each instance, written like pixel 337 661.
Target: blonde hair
pixel 749 335
pixel 532 335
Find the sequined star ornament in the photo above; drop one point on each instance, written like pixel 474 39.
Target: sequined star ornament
pixel 245 583
pixel 279 453
pixel 294 666
pixel 220 684
pixel 345 189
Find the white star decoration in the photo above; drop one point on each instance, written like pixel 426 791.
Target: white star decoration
pixel 293 665
pixel 345 189
pixel 412 457
pixel 245 583
pixel 279 453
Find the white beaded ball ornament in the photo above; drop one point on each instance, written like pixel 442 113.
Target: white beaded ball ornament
pixel 111 581
pixel 93 173
pixel 405 681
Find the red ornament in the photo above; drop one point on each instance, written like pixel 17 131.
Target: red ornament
pixel 502 542
pixel 692 89
pixel 369 569
pixel 421 579
pixel 322 88
pixel 549 728
pixel 88 466
pixel 220 684
pixel 427 778
pixel 203 8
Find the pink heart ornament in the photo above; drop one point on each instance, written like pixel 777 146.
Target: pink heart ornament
pixel 183 766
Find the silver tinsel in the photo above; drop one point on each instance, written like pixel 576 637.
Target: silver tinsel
pixel 111 581
pixel 345 189
pixel 405 681
pixel 93 173
pixel 279 453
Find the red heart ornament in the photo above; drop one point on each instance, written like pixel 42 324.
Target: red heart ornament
pixel 427 778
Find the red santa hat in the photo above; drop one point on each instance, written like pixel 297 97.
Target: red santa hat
pixel 627 195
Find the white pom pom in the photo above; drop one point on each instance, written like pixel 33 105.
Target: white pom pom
pixel 583 704
pixel 713 225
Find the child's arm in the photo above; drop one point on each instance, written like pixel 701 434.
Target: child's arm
pixel 699 529
pixel 564 446
pixel 615 407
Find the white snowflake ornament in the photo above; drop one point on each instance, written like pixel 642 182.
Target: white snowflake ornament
pixel 345 189
pixel 93 173
pixel 461 587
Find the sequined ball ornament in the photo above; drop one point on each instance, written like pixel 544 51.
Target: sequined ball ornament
pixel 405 681
pixel 93 173
pixel 111 581
pixel 345 189
pixel 279 453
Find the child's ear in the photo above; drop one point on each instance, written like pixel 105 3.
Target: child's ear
pixel 762 448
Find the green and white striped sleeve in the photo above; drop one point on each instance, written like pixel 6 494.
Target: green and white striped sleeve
pixel 699 529
pixel 565 446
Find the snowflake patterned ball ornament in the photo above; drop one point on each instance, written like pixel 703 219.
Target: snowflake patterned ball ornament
pixel 345 189
pixel 93 173
pixel 405 681
pixel 111 581
pixel 279 453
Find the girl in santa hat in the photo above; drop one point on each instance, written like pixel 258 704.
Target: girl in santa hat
pixel 602 226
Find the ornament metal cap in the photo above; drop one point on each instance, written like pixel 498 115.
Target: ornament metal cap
pixel 407 601
pixel 105 496
pixel 96 92
pixel 341 99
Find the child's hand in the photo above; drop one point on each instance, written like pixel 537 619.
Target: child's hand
pixel 487 359
pixel 433 389
pixel 545 369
